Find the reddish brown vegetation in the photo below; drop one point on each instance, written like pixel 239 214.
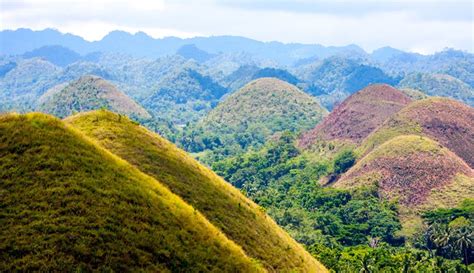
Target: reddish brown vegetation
pixel 447 121
pixel 358 115
pixel 412 177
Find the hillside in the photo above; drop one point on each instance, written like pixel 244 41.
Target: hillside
pixel 252 114
pixel 356 117
pixel 70 205
pixel 417 171
pixel 447 121
pixel 440 85
pixel 88 93
pixel 240 219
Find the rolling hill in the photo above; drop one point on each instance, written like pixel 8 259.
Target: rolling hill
pixel 254 113
pixel 356 117
pixel 240 219
pixel 447 121
pixel 70 205
pixel 88 93
pixel 418 172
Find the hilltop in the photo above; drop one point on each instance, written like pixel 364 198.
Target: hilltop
pixel 447 121
pixel 254 113
pixel 417 171
pixel 88 93
pixel 356 117
pixel 239 218
pixel 70 205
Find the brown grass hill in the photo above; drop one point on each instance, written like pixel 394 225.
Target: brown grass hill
pixel 449 122
pixel 239 218
pixel 355 118
pixel 248 117
pixel 418 172
pixel 69 205
pixel 88 93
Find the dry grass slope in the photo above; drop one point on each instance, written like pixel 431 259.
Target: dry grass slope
pixel 415 170
pixel 449 122
pixel 357 116
pixel 68 205
pixel 239 218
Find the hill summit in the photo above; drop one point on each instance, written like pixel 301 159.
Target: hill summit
pixel 356 117
pixel 447 121
pixel 415 170
pixel 88 93
pixel 254 113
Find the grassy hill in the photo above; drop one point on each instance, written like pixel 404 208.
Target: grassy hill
pixel 70 205
pixel 88 93
pixel 355 118
pixel 447 121
pixel 253 114
pixel 417 171
pixel 240 219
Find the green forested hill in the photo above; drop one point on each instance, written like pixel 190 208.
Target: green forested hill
pixel 239 219
pixel 70 205
pixel 88 93
pixel 440 85
pixel 252 115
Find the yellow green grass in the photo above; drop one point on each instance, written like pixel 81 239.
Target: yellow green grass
pixel 68 205
pixel 239 219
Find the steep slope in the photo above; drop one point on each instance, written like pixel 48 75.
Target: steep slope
pixel 88 93
pixel 248 117
pixel 417 171
pixel 240 219
pixel 357 116
pixel 440 85
pixel 70 205
pixel 449 122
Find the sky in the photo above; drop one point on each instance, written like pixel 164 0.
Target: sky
pixel 423 26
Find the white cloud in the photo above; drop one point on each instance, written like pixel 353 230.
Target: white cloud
pixel 398 26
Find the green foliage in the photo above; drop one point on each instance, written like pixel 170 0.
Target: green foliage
pixel 449 232
pixel 343 161
pixel 382 257
pixel 283 180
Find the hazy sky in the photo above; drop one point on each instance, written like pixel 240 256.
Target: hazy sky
pixel 417 25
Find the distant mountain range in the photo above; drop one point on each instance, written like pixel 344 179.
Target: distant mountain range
pixel 181 80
